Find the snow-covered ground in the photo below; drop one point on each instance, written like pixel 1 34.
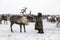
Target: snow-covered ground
pixel 51 32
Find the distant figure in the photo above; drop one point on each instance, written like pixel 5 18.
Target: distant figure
pixel 39 23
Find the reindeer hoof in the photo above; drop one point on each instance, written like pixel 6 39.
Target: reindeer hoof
pixel 25 31
pixel 20 31
pixel 12 31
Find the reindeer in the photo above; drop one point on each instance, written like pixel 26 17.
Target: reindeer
pixel 21 20
pixel 5 18
pixel 51 19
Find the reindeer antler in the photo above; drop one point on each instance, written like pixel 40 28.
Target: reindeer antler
pixel 30 12
pixel 24 11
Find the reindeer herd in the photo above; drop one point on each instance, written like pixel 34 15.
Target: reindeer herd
pixel 25 19
pixel 52 18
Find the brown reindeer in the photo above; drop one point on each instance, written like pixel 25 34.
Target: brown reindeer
pixel 21 20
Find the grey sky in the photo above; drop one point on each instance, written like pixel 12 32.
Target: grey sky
pixel 43 6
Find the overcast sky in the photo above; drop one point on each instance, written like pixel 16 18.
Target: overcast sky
pixel 43 6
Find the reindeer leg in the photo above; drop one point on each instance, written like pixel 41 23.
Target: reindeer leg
pixel 24 28
pixel 20 28
pixel 4 21
pixel 58 24
pixel 11 27
pixel 0 22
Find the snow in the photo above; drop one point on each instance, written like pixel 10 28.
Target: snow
pixel 51 32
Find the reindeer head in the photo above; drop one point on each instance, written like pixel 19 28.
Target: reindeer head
pixel 26 16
